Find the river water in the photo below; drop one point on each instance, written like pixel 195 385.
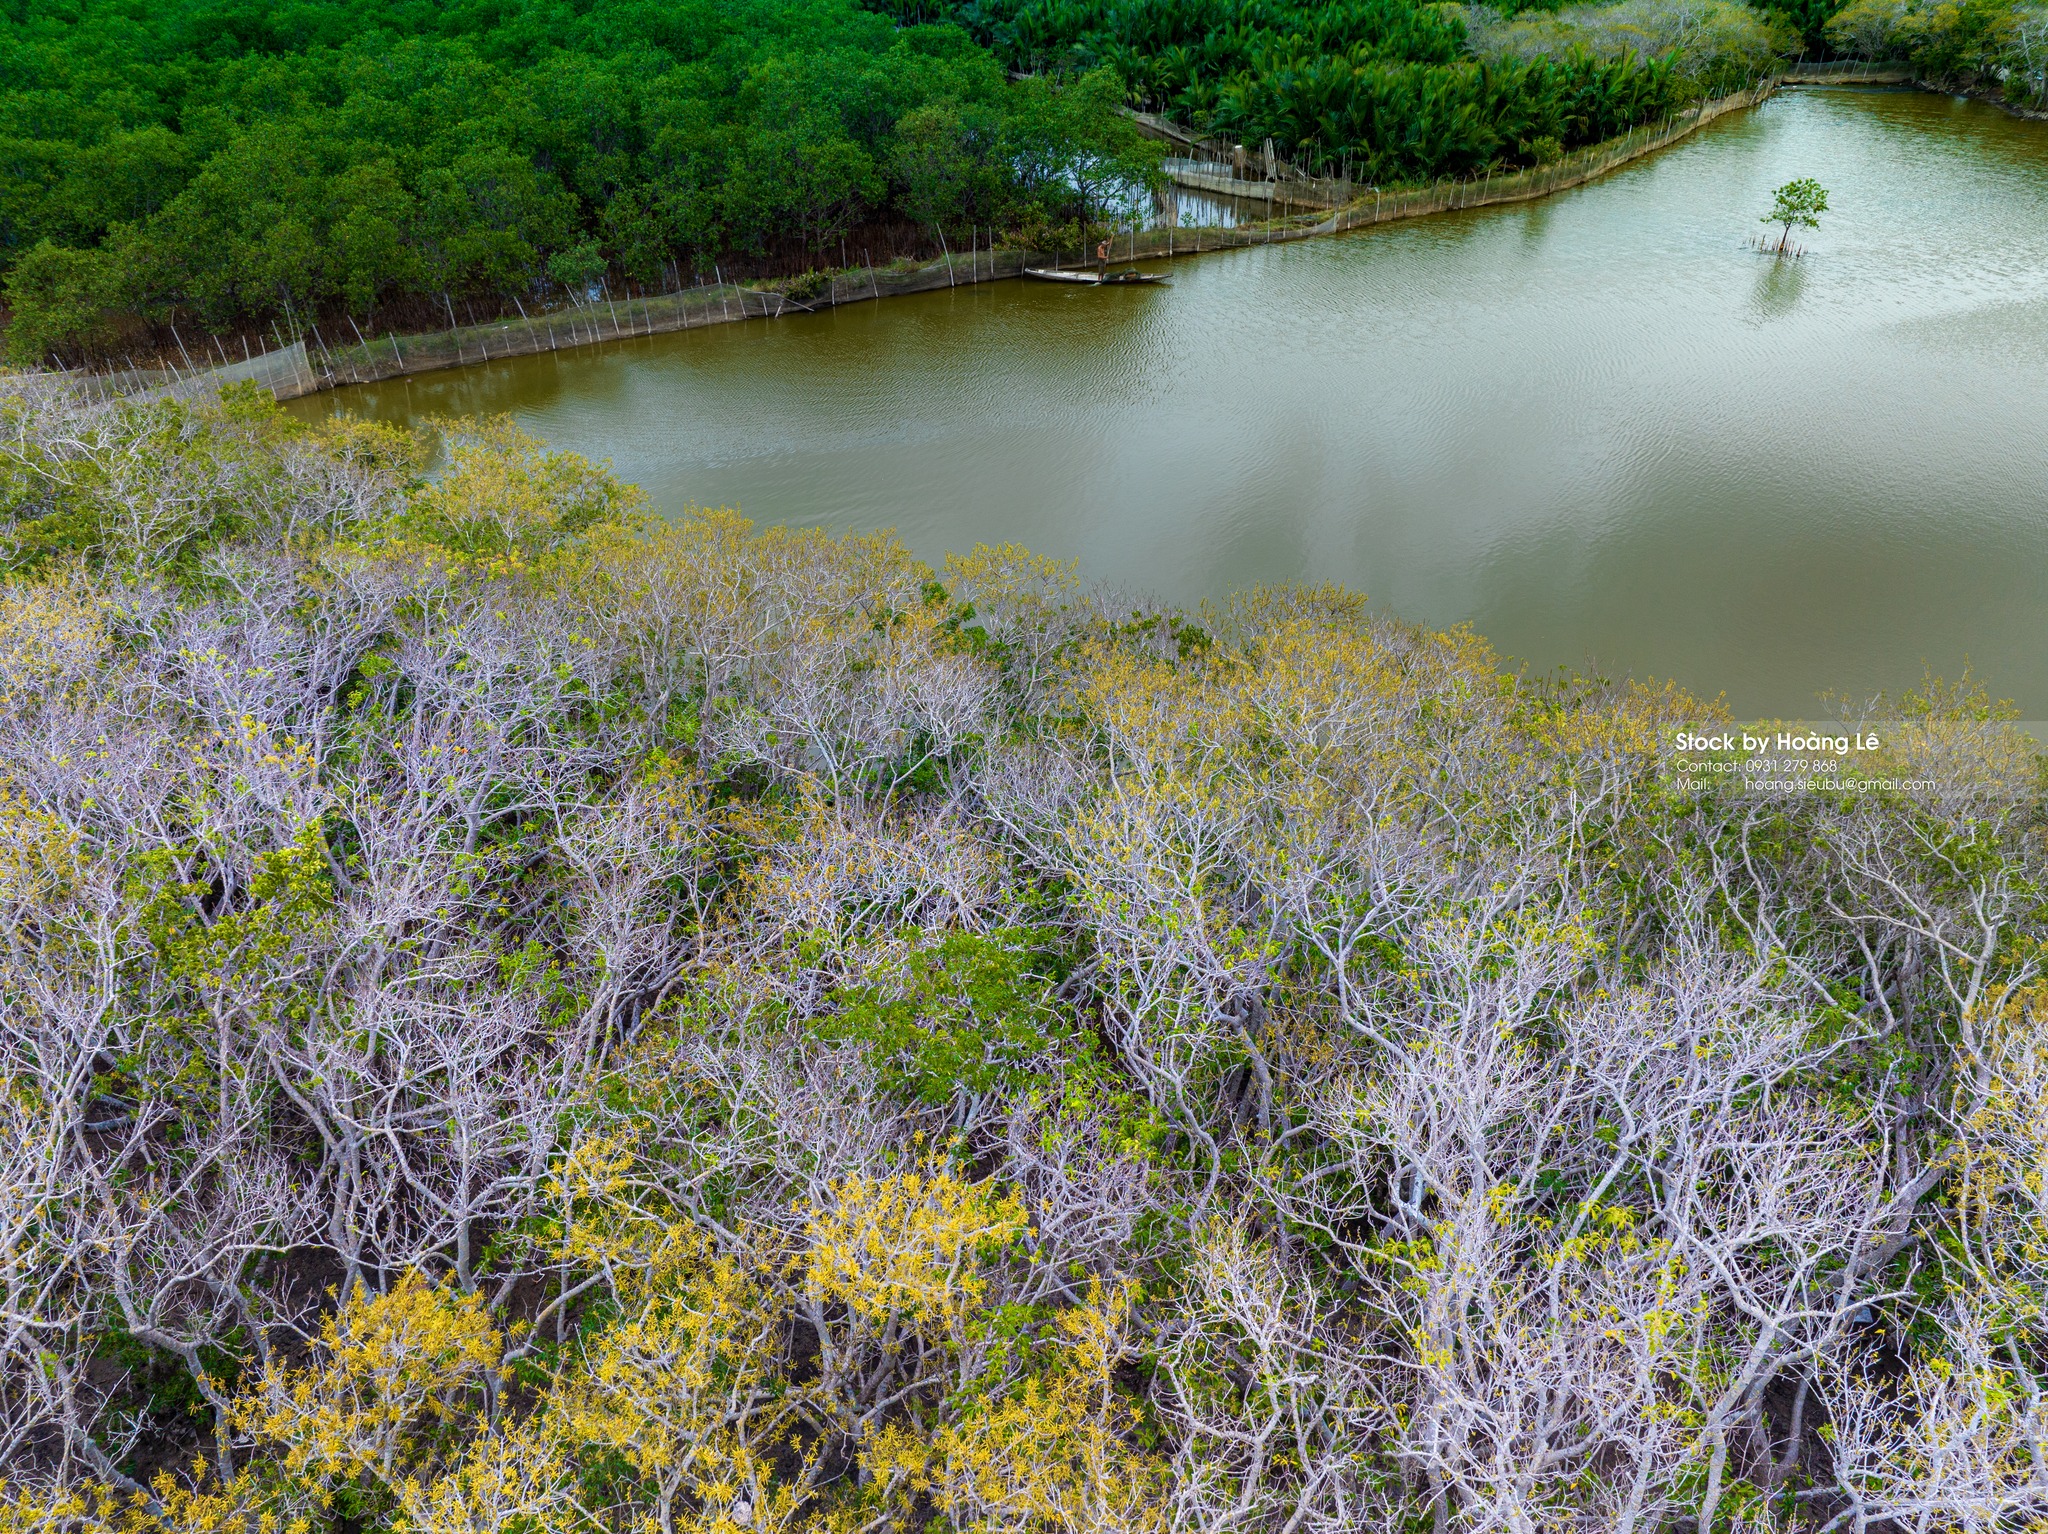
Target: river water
pixel 1602 429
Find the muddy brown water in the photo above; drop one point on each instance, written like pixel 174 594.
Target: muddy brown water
pixel 1601 429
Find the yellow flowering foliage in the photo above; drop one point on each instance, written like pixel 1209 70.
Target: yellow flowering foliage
pixel 667 1386
pixel 593 1176
pixel 378 448
pixel 702 550
pixel 517 1480
pixel 40 857
pixel 1053 1453
pixel 824 888
pixel 53 633
pixel 2000 1164
pixel 614 1215
pixel 677 798
pixel 388 1368
pixel 26 1509
pixel 696 580
pixel 1268 751
pixel 1165 717
pixel 504 493
pixel 170 1506
pixel 913 1245
pixel 707 563
pixel 250 757
pixel 246 1507
pixel 1012 578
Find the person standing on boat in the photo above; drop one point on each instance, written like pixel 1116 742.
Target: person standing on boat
pixel 1102 261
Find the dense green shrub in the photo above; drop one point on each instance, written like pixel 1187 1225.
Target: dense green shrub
pixel 1967 42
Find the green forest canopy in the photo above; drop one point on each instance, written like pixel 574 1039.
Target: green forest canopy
pixel 231 164
pixel 1385 86
pixel 242 163
pixel 1396 90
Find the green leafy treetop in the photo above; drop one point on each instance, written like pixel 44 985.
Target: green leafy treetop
pixel 1798 203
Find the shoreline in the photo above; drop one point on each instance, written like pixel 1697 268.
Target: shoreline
pixel 310 366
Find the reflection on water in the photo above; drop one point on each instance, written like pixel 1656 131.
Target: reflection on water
pixel 1601 429
pixel 1184 207
pixel 1780 281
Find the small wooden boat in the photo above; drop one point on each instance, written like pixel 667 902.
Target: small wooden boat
pixel 1094 279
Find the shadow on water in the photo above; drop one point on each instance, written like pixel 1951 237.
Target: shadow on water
pixel 1542 419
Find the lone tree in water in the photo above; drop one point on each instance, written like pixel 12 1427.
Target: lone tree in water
pixel 1798 203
